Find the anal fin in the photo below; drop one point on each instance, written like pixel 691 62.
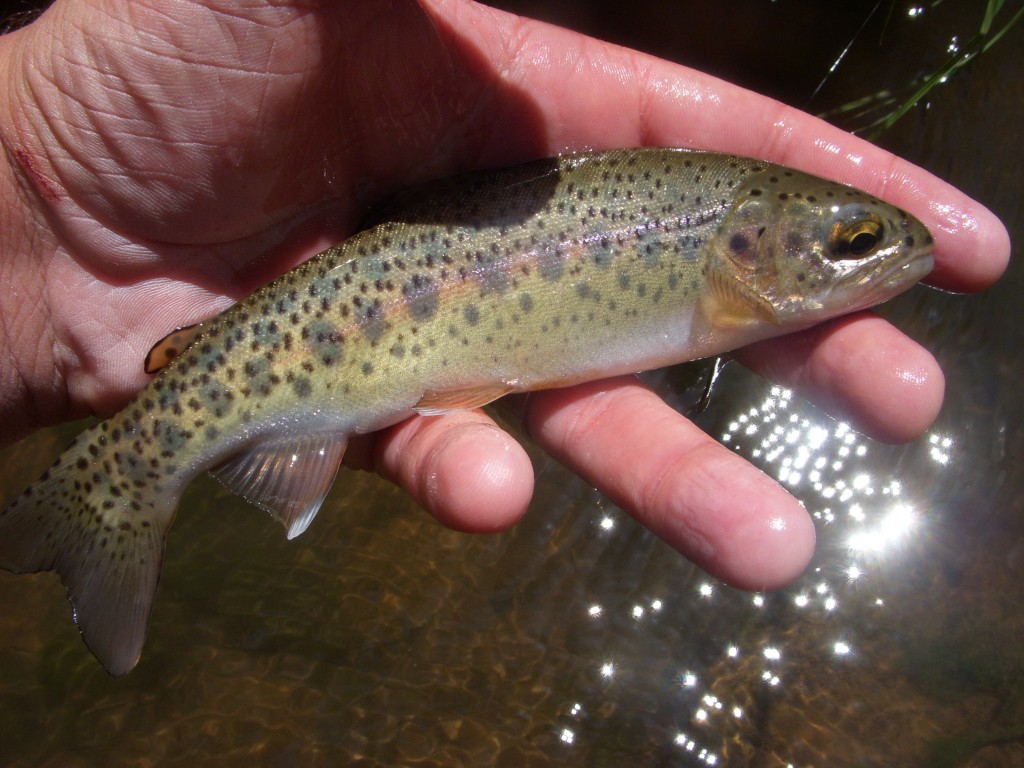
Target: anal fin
pixel 288 478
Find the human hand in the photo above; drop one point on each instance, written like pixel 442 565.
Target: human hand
pixel 167 160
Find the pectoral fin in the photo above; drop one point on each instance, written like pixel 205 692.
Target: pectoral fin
pixel 287 478
pixel 729 303
pixel 436 402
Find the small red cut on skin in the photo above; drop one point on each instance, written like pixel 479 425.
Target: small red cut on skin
pixel 40 182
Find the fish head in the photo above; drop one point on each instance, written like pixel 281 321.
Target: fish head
pixel 793 250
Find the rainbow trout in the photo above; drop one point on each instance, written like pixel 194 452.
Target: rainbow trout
pixel 542 275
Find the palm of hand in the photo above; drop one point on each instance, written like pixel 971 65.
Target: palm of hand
pixel 195 158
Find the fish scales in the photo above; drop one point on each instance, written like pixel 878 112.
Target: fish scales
pixel 546 274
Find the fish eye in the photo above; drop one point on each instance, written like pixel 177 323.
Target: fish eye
pixel 855 237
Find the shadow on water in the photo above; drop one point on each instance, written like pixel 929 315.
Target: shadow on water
pixel 579 639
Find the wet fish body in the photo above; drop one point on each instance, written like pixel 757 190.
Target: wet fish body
pixel 546 274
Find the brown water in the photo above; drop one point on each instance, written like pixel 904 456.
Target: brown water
pixel 380 639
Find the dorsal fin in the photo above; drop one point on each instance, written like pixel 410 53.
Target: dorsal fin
pixel 170 346
pixel 436 402
pixel 288 478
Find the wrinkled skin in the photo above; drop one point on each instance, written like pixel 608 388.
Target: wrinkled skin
pixel 162 160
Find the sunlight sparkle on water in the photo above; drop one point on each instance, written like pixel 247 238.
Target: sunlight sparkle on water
pixel 939 448
pixel 711 701
pixel 891 529
pixel 768 677
pixel 685 741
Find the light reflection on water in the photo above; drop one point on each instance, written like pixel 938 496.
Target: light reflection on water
pixel 873 527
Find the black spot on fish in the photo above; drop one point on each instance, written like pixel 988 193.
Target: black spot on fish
pixel 739 243
pixel 472 314
pixel 302 387
pixel 324 339
pixel 421 297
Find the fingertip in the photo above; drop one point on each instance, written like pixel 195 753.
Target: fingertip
pixel 756 537
pixel 916 378
pixel 972 246
pixel 890 385
pixel 479 479
pixel 768 549
pixel 860 368
pixel 461 467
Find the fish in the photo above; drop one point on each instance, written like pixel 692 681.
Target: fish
pixel 546 274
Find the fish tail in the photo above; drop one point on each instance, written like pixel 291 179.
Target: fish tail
pixel 103 537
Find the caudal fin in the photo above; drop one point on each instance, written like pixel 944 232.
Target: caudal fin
pixel 104 540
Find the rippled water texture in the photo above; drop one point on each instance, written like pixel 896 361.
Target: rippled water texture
pixel 578 639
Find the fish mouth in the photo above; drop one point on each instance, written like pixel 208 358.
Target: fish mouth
pixel 912 271
pixel 894 280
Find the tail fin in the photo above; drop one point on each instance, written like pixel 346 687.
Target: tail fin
pixel 104 540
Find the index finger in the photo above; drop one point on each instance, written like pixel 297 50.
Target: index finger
pixel 591 94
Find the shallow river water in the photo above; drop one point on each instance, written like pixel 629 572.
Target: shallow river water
pixel 578 639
